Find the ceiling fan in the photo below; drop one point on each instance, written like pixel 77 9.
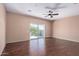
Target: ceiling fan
pixel 51 11
pixel 51 14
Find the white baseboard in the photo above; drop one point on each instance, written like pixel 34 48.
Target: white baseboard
pixel 66 39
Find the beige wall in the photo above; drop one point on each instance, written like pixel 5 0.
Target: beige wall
pixel 66 28
pixel 2 28
pixel 18 27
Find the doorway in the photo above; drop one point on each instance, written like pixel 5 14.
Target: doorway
pixel 37 31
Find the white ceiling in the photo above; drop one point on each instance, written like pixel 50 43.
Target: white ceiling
pixel 38 9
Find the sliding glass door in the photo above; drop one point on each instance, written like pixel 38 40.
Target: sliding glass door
pixel 41 31
pixel 37 31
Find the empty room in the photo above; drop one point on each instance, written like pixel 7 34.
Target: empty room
pixel 39 29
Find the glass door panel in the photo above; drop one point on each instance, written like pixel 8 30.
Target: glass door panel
pixel 41 31
pixel 34 31
pixel 37 31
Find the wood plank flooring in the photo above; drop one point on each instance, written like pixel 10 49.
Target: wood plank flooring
pixel 42 47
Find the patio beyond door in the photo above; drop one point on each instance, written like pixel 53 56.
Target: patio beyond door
pixel 37 31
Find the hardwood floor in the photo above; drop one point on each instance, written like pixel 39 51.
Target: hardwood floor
pixel 42 47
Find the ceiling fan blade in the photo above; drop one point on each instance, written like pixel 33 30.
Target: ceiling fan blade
pixel 50 11
pixel 55 14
